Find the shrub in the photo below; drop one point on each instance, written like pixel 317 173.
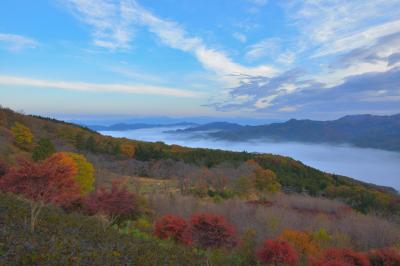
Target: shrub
pixel 211 231
pixel 339 257
pixel 114 203
pixel 174 227
pixel 277 252
pixel 47 182
pixel 384 257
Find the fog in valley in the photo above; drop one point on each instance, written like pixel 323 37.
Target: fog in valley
pixel 368 165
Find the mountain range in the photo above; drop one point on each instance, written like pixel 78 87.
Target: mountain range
pixel 367 131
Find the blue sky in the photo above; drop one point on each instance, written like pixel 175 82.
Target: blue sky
pixel 185 58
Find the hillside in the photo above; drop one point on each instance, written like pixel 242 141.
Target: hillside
pixel 83 198
pixel 368 131
pixel 119 156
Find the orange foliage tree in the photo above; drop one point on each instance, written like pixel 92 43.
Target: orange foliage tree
pixel 301 241
pixel 47 182
pixel 84 175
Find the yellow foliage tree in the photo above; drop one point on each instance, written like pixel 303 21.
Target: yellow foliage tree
pixel 85 172
pixel 128 149
pixel 302 241
pixel 22 134
pixel 266 181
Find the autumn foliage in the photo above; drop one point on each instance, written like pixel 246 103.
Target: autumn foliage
pixel 22 134
pixel 84 175
pixel 277 252
pixel 208 230
pixel 384 257
pixel 113 203
pixel 339 257
pixel 301 241
pixel 48 182
pixel 173 227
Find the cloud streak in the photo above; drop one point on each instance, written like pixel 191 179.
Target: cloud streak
pixel 108 19
pixel 16 42
pixel 96 87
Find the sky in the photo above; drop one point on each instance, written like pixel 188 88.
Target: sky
pixel 183 58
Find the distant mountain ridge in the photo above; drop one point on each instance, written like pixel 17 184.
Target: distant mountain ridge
pixel 368 131
pixel 125 126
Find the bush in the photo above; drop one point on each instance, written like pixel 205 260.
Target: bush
pixel 338 257
pixel 174 227
pixel 115 203
pixel 384 257
pixel 211 231
pixel 276 252
pixel 75 239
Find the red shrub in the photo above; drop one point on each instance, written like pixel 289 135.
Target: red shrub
pixel 384 257
pixel 276 252
pixel 208 230
pixel 113 203
pixel 170 226
pixel 340 257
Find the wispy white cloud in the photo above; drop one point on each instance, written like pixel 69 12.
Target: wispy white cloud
pixel 266 47
pixel 341 25
pixel 103 18
pixel 16 42
pixel 359 39
pixel 111 23
pixel 96 87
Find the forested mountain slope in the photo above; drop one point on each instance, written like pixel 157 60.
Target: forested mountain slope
pixel 119 156
pixel 372 131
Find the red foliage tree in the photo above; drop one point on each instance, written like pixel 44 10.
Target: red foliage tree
pixel 112 203
pixel 276 252
pixel 48 182
pixel 174 227
pixel 340 257
pixel 384 257
pixel 208 230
